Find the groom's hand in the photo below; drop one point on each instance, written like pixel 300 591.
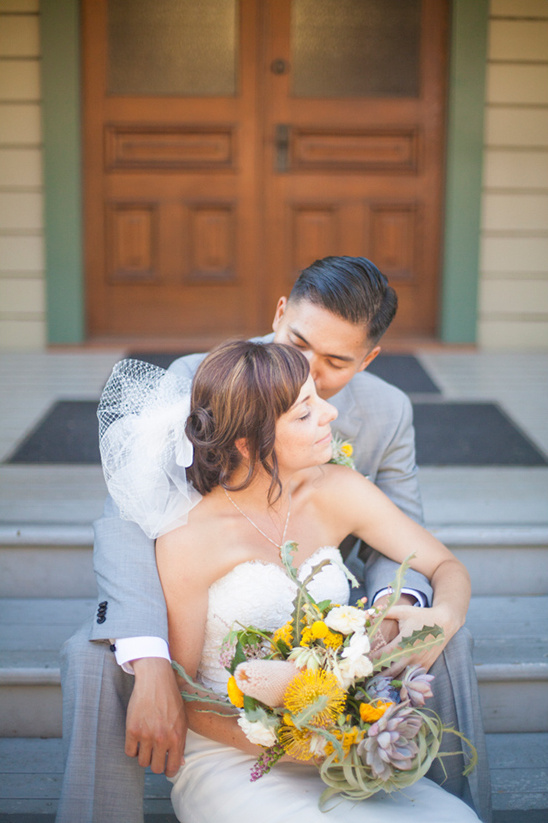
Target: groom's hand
pixel 390 627
pixel 156 723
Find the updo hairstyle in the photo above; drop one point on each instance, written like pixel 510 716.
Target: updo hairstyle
pixel 239 391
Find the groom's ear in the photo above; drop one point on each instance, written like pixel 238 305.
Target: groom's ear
pixel 241 445
pixel 279 313
pixel 369 358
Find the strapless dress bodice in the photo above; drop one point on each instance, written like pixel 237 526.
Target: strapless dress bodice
pixel 261 594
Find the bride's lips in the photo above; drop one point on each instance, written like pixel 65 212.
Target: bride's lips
pixel 325 440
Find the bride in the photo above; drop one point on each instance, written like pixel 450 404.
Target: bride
pixel 261 439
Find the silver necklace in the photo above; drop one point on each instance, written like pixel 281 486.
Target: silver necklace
pixel 278 546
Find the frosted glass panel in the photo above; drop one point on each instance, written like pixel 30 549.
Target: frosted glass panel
pixel 177 47
pixel 355 48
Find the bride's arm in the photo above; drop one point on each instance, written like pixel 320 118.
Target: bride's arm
pixel 186 571
pixel 357 505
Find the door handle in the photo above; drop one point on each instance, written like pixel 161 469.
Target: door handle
pixel 282 147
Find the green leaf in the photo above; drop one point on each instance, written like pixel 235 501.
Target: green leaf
pixel 206 695
pixel 434 633
pixel 396 587
pixel 289 548
pixel 250 704
pixel 307 715
pixel 239 657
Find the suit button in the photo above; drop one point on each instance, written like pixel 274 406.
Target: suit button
pixel 101 619
pixel 103 604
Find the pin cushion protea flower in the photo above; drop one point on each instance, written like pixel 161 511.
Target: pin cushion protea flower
pixel 297 743
pixel 310 685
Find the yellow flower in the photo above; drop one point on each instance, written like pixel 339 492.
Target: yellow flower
pixel 333 639
pixel 369 712
pixel 296 742
pixel 347 449
pixel 283 634
pixel 347 739
pixel 307 687
pixel 307 636
pixel 319 630
pixel 235 694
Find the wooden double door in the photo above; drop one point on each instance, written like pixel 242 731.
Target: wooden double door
pixel 228 144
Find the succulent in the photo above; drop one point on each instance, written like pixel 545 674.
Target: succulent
pixel 416 685
pixel 380 688
pixel 390 742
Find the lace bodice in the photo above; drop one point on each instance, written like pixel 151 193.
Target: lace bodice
pixel 262 594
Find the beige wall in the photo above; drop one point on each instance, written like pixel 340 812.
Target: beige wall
pixel 514 250
pixel 22 310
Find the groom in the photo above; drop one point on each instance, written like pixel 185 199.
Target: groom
pixel 121 706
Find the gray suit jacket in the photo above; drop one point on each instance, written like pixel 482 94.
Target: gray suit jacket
pixel 374 415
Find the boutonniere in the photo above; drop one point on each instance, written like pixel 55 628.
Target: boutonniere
pixel 342 451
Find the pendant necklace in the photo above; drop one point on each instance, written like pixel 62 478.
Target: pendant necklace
pixel 278 546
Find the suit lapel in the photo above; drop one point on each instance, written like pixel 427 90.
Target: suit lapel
pixel 349 421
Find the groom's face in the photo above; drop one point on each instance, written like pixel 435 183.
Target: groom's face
pixel 335 348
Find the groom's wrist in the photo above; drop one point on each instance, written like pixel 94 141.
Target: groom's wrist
pixel 419 600
pixel 128 649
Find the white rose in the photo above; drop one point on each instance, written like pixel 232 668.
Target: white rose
pixel 358 645
pixel 346 619
pixel 256 732
pixel 350 670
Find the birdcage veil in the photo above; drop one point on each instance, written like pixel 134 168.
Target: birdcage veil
pixel 144 449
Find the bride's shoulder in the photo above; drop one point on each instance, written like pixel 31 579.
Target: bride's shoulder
pixel 194 544
pixel 327 480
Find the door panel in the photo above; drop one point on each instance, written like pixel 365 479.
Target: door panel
pixel 365 164
pixel 171 217
pixel 313 127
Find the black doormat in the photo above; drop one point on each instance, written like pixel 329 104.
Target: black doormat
pixel 470 434
pixel 448 434
pixel 402 370
pixel 164 359
pixel 405 372
pixel 68 433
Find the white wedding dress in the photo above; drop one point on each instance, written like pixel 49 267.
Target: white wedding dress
pixel 214 786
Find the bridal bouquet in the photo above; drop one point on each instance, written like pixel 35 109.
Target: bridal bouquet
pixel 314 689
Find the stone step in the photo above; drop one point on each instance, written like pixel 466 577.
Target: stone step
pixel 55 560
pixel 511 659
pixel 31 772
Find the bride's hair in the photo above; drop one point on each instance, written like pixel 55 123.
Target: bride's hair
pixel 239 391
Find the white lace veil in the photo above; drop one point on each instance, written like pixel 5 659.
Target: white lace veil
pixel 144 449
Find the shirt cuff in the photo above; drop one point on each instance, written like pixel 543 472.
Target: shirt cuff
pixel 420 597
pixel 133 648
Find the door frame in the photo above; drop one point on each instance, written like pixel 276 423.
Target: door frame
pixel 63 197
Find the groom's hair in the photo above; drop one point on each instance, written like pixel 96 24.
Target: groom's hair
pixel 238 393
pixel 352 288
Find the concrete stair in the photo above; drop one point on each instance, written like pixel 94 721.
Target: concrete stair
pixel 47 590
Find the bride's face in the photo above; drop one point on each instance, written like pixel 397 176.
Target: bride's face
pixel 303 434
